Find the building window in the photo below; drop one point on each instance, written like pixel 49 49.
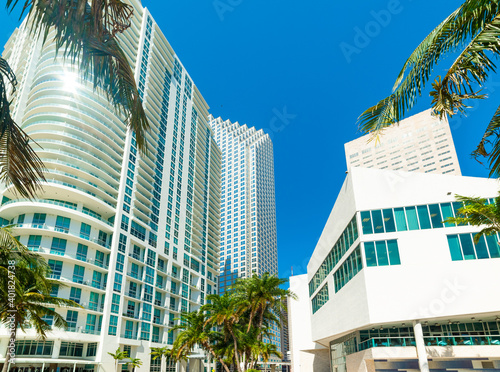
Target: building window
pixel 382 253
pixel 75 294
pixel 345 241
pixel 58 246
pixel 320 299
pixel 56 269
pixel 351 266
pixel 71 319
pixel 78 274
pixel 81 252
pixel 62 224
pixel 408 218
pixel 32 348
pixel 113 323
pixel 463 247
pixel 85 231
pixel 92 349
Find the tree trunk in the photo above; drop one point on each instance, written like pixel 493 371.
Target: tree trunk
pixel 252 314
pixel 261 321
pixel 211 351
pixel 236 354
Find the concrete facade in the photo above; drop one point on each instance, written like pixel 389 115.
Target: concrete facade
pixel 421 143
pixel 306 355
pixel 386 267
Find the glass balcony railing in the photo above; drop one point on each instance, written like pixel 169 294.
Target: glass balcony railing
pixel 466 340
pixel 60 204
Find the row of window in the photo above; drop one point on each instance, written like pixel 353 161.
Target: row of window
pixel 45 348
pixel 320 299
pixel 418 217
pixel 341 246
pixel 463 247
pixel 382 253
pixel 351 266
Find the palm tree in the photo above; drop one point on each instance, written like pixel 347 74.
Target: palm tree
pixel 265 351
pixel 117 356
pixel 225 311
pixel 86 32
pixel 472 31
pixel 134 362
pixel 260 294
pixel 478 212
pixel 160 352
pixel 195 329
pixel 30 304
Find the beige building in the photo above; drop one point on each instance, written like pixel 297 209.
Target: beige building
pixel 420 143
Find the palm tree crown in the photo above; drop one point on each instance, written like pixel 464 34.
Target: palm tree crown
pixel 231 327
pixel 86 32
pixel 472 31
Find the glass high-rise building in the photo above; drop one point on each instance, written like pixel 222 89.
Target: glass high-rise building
pixel 248 209
pixel 133 237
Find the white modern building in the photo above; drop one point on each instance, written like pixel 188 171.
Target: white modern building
pixel 306 355
pixel 392 287
pixel 134 238
pixel 421 143
pixel 248 209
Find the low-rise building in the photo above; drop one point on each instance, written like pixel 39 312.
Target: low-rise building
pixel 392 287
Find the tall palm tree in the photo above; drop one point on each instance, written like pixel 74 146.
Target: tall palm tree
pixel 478 212
pixel 225 311
pixel 31 303
pixel 86 32
pixel 117 356
pixel 194 330
pixel 258 295
pixel 472 32
pixel 134 362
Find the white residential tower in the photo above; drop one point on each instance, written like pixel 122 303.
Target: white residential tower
pixel 133 237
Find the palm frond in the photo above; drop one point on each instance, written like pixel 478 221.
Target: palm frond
pixel 86 33
pixel 19 164
pixel 491 138
pixel 463 24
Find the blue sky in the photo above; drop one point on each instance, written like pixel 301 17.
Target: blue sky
pixel 305 71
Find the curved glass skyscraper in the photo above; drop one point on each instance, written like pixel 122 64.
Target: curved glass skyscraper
pixel 133 237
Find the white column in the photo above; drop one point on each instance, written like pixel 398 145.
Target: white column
pixel 55 350
pixel 423 363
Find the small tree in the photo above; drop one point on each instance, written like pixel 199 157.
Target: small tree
pixel 134 362
pixel 160 352
pixel 30 304
pixel 117 356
